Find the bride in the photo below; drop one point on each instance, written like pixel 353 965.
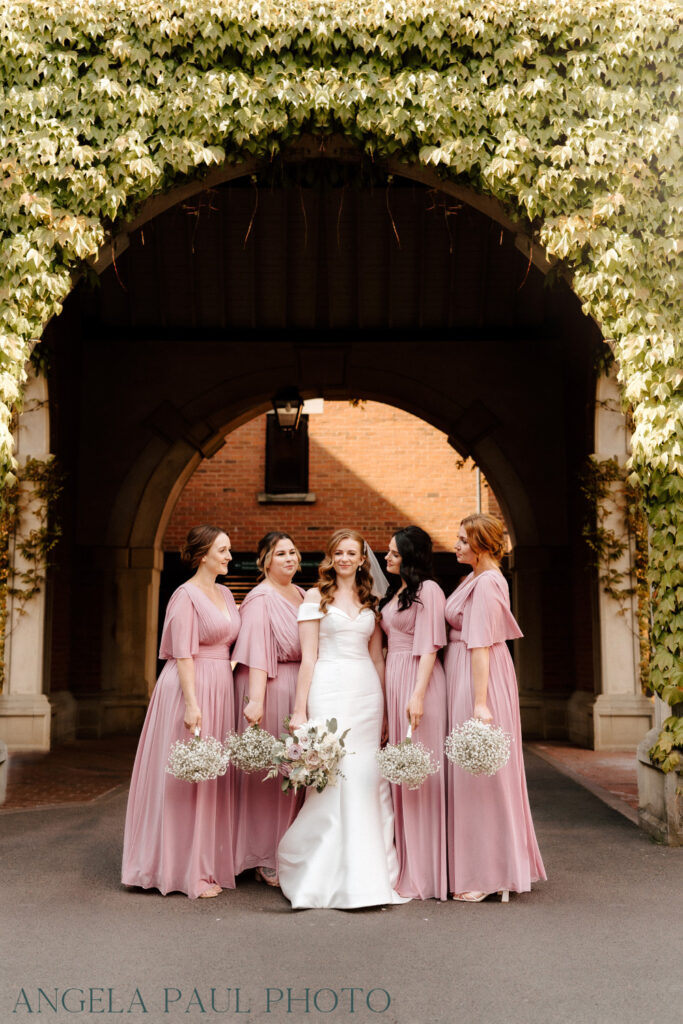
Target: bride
pixel 339 851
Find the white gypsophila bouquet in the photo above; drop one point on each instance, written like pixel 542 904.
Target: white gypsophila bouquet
pixel 407 763
pixel 196 760
pixel 478 748
pixel 309 756
pixel 253 750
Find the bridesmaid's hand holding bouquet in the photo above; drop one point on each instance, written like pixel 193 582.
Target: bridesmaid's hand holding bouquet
pixel 406 763
pixel 478 748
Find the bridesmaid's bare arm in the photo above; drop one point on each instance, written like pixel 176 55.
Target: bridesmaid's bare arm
pixel 480 683
pixel 415 707
pixel 193 716
pixel 258 680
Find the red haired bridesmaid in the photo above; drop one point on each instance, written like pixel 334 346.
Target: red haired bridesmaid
pixel 491 841
pixel 269 653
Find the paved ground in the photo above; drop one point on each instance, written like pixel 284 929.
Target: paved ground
pixel 596 944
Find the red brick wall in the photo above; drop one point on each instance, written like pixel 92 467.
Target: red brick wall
pixel 372 467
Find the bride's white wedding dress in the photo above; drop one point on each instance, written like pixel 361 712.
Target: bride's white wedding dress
pixel 339 852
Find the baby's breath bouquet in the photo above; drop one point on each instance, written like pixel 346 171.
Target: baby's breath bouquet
pixel 478 748
pixel 406 763
pixel 196 760
pixel 309 756
pixel 251 751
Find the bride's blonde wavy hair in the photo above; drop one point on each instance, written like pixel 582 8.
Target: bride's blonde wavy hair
pixel 327 576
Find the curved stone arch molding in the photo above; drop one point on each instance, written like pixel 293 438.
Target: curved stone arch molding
pixel 334 147
pixel 149 492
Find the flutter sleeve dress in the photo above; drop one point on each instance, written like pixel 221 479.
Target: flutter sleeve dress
pixel 420 815
pixel 179 835
pixel 269 641
pixel 491 839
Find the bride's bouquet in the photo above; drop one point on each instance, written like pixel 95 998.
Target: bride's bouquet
pixel 406 763
pixel 478 748
pixel 253 750
pixel 309 756
pixel 196 760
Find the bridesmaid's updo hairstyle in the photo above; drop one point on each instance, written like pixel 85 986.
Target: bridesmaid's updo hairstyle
pixel 485 534
pixel 415 548
pixel 198 542
pixel 266 546
pixel 327 577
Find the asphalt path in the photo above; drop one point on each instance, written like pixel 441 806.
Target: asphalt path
pixel 598 943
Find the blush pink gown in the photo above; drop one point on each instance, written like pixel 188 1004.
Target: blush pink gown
pixel 491 839
pixel 179 835
pixel 420 814
pixel 268 640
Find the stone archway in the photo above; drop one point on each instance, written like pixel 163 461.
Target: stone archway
pixel 509 70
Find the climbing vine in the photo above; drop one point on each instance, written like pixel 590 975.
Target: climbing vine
pixel 28 521
pixel 568 112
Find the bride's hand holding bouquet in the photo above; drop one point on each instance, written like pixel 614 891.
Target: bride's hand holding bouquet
pixel 296 720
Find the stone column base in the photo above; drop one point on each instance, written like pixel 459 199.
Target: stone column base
pixel 660 808
pixel 544 716
pixel 25 721
pixel 621 720
pixel 64 714
pixel 580 716
pixel 609 721
pixel 105 716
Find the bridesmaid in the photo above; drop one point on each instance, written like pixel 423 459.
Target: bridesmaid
pixel 269 653
pixel 413 620
pixel 178 835
pixel 491 841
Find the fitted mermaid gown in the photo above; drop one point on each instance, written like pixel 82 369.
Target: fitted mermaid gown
pixel 339 852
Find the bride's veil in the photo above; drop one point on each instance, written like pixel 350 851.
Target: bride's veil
pixel 380 584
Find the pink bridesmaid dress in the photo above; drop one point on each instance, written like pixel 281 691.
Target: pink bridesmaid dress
pixel 268 640
pixel 491 839
pixel 178 835
pixel 420 815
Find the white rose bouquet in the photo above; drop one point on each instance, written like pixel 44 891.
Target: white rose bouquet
pixel 478 748
pixel 406 763
pixel 253 750
pixel 309 756
pixel 196 760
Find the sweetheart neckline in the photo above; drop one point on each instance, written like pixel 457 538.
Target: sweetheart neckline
pixel 351 618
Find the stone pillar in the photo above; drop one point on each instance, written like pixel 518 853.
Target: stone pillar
pixel 24 708
pixel 526 565
pixel 130 582
pixel 619 715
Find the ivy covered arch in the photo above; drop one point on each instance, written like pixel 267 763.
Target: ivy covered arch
pixel 566 112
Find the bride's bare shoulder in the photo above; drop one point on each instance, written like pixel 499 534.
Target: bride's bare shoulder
pixel 312 596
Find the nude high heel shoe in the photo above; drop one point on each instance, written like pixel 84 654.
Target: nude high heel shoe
pixel 479 897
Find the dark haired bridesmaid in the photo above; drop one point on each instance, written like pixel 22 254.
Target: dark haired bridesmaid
pixel 178 835
pixel 269 652
pixel 413 620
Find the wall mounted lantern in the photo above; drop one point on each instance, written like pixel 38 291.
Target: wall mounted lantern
pixel 288 403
